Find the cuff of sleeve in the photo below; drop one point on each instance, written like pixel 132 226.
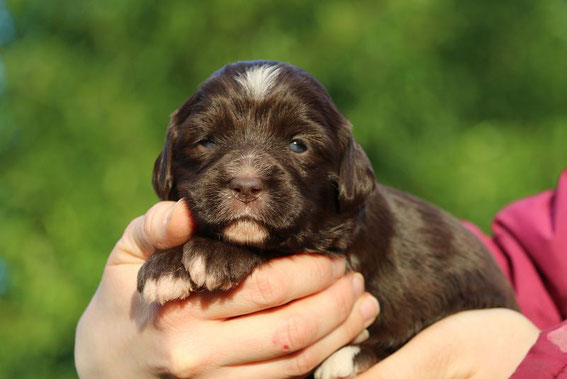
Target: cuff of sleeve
pixel 548 356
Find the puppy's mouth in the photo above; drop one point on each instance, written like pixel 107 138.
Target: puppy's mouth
pixel 246 231
pixel 240 208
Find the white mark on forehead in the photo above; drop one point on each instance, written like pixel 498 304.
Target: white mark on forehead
pixel 258 80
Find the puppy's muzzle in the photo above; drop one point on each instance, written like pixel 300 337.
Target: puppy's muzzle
pixel 246 188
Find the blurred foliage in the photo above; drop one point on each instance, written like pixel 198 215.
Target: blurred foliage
pixel 460 102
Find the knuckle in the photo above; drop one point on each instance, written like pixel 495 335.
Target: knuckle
pixel 351 329
pixel 130 229
pixel 167 318
pixel 323 268
pixel 152 221
pixel 296 334
pixel 148 223
pixel 303 363
pixel 268 290
pixel 343 302
pixel 130 242
pixel 183 364
pixel 130 232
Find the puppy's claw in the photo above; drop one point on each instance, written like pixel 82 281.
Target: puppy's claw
pixel 166 288
pixel 339 365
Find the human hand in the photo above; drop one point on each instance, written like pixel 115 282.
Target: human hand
pixel 488 343
pixel 282 321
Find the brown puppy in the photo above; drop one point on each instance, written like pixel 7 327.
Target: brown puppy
pixel 269 167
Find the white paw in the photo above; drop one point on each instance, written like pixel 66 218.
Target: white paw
pixel 197 269
pixel 166 288
pixel 339 365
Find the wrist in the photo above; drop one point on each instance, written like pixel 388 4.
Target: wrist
pixel 103 344
pixel 89 362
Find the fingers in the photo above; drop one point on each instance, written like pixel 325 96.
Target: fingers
pixel 292 327
pixel 272 284
pixel 305 360
pixel 167 224
pixel 286 341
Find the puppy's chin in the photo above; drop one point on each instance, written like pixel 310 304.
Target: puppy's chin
pixel 246 232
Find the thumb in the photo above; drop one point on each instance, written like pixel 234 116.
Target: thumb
pixel 165 225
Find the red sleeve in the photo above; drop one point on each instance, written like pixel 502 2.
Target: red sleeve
pixel 529 243
pixel 547 358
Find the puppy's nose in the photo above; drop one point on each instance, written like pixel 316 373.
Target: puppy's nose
pixel 246 188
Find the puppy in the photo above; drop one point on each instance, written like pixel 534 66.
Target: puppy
pixel 269 167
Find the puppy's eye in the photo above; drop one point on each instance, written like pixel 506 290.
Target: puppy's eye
pixel 207 143
pixel 297 146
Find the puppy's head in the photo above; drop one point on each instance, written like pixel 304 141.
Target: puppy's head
pixel 263 158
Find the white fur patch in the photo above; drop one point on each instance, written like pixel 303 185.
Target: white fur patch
pixel 339 365
pixel 246 232
pixel 166 288
pixel 197 270
pixel 258 81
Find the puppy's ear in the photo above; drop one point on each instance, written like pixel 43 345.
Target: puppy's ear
pixel 163 179
pixel 356 178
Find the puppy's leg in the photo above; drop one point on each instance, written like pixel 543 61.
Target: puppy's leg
pixel 163 277
pixel 214 265
pixel 349 361
pixel 200 264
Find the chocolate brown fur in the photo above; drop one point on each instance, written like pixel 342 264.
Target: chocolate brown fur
pixel 418 261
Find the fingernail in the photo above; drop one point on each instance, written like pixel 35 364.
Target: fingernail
pixel 369 308
pixel 339 267
pixel 358 284
pixel 363 336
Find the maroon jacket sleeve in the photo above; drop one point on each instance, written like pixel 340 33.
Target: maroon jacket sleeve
pixel 548 356
pixel 529 243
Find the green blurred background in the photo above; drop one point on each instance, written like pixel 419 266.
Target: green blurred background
pixel 463 103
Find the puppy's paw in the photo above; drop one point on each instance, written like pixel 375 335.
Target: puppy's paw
pixel 341 364
pixel 164 278
pixel 166 288
pixel 213 265
pixel 209 273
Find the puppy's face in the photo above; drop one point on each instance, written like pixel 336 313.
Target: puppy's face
pixel 263 158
